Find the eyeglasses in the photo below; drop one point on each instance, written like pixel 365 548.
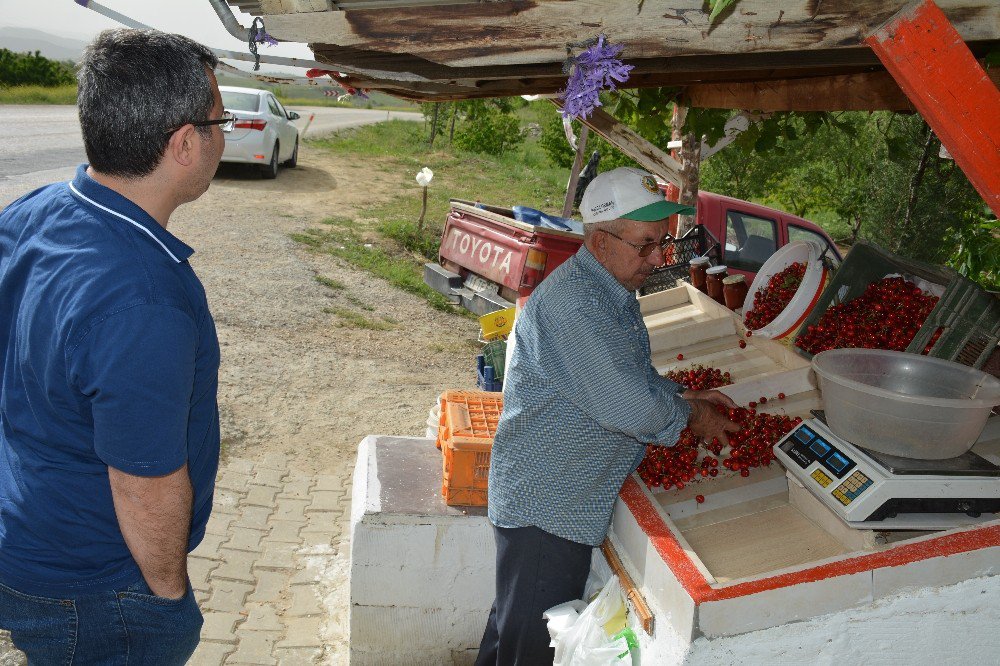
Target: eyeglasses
pixel 646 249
pixel 225 123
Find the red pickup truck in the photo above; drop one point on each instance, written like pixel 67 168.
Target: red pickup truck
pixel 488 259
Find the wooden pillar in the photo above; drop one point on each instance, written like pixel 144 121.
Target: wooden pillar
pixel 574 175
pixel 933 66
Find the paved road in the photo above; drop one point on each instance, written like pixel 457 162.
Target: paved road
pixel 42 144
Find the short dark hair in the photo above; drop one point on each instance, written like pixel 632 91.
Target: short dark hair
pixel 134 85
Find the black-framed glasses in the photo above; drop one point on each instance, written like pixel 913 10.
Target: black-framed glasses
pixel 645 249
pixel 226 123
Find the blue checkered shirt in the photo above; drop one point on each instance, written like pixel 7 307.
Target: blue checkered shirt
pixel 581 401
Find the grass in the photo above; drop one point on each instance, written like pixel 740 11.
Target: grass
pixel 330 283
pixel 38 94
pixel 352 319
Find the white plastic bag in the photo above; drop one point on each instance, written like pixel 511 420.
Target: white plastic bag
pixel 579 632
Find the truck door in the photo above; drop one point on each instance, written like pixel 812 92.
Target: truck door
pixel 750 241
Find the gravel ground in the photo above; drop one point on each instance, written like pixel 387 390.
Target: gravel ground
pixel 293 379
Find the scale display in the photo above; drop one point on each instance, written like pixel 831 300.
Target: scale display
pixel 871 491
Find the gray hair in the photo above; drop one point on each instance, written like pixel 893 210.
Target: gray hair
pixel 135 86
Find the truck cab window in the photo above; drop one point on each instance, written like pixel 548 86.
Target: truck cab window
pixel 796 233
pixel 750 240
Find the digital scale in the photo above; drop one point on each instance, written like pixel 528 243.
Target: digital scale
pixel 871 490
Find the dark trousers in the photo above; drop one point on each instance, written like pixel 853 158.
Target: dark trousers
pixel 535 571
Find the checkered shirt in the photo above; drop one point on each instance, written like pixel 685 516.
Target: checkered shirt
pixel 581 401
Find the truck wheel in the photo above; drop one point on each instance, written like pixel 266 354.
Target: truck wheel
pixel 270 171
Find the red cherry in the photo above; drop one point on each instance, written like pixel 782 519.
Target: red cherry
pixel 700 499
pixel 680 357
pixel 743 344
pixel 781 396
pixel 749 333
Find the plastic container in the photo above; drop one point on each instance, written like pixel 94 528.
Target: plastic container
pixel 734 291
pixel 486 378
pixel 713 283
pixel 696 269
pixel 904 404
pixel 433 422
pixel 805 298
pixel 465 437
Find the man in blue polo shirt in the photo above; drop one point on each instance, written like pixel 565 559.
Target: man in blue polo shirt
pixel 109 429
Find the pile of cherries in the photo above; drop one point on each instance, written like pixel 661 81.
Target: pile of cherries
pixel 675 466
pixel 775 296
pixel 887 315
pixel 700 378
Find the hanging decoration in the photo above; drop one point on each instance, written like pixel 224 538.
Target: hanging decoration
pixel 258 35
pixel 597 68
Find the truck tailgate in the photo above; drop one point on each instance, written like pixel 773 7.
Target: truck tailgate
pixel 486 247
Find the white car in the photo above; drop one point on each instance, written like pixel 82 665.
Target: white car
pixel 263 133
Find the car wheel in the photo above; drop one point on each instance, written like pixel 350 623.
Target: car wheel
pixel 294 159
pixel 270 171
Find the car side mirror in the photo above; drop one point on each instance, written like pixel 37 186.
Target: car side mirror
pixel 293 116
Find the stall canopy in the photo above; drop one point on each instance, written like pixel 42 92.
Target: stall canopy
pixel 760 54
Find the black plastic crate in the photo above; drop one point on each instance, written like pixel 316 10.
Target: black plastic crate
pixel 696 242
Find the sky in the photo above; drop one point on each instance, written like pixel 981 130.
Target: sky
pixel 193 18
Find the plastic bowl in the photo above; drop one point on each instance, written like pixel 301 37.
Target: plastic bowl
pixel 904 404
pixel 802 303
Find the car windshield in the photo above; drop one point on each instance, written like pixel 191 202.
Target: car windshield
pixel 238 101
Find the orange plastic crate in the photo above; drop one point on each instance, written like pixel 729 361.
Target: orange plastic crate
pixel 465 436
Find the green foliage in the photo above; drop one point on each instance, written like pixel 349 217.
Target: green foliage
pixel 553 141
pixel 406 233
pixel 33 69
pixel 718 6
pixel 489 130
pixel 977 255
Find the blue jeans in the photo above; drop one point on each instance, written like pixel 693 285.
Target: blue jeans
pixel 120 627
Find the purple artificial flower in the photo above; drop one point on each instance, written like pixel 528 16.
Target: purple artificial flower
pixel 594 70
pixel 262 38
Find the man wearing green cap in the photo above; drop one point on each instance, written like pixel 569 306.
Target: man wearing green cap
pixel 581 402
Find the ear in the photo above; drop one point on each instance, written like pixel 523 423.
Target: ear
pixel 182 149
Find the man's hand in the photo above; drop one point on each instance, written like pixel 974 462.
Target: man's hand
pixel 154 514
pixel 706 421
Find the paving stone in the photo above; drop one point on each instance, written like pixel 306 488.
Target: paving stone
pixel 286 531
pixel 263 618
pixel 302 632
pixel 269 477
pixel 298 656
pixel 218 523
pixel 277 556
pixel 243 538
pixel 306 576
pixel 323 521
pixel 254 647
pixel 274 461
pixel 241 465
pixel 270 585
pixel 327 500
pixel 228 596
pixel 209 546
pixel 305 602
pixel 261 496
pixel 317 539
pixel 233 480
pixel 291 509
pixel 220 627
pixel 202 597
pixel 296 488
pixel 226 501
pixel 236 565
pixel 254 517
pixel 198 570
pixel 210 654
pixel 328 482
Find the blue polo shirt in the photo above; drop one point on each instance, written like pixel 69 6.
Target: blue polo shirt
pixel 108 358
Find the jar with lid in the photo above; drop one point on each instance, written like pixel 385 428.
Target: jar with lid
pixel 713 283
pixel 696 269
pixel 734 291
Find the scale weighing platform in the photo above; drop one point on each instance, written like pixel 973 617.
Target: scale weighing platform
pixel 870 490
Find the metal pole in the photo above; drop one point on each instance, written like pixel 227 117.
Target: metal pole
pixel 302 134
pixel 574 176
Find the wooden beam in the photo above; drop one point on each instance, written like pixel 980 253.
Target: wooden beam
pixel 931 64
pixel 626 140
pixel 631 591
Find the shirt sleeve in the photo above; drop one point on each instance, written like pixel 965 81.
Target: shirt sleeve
pixel 596 365
pixel 137 369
